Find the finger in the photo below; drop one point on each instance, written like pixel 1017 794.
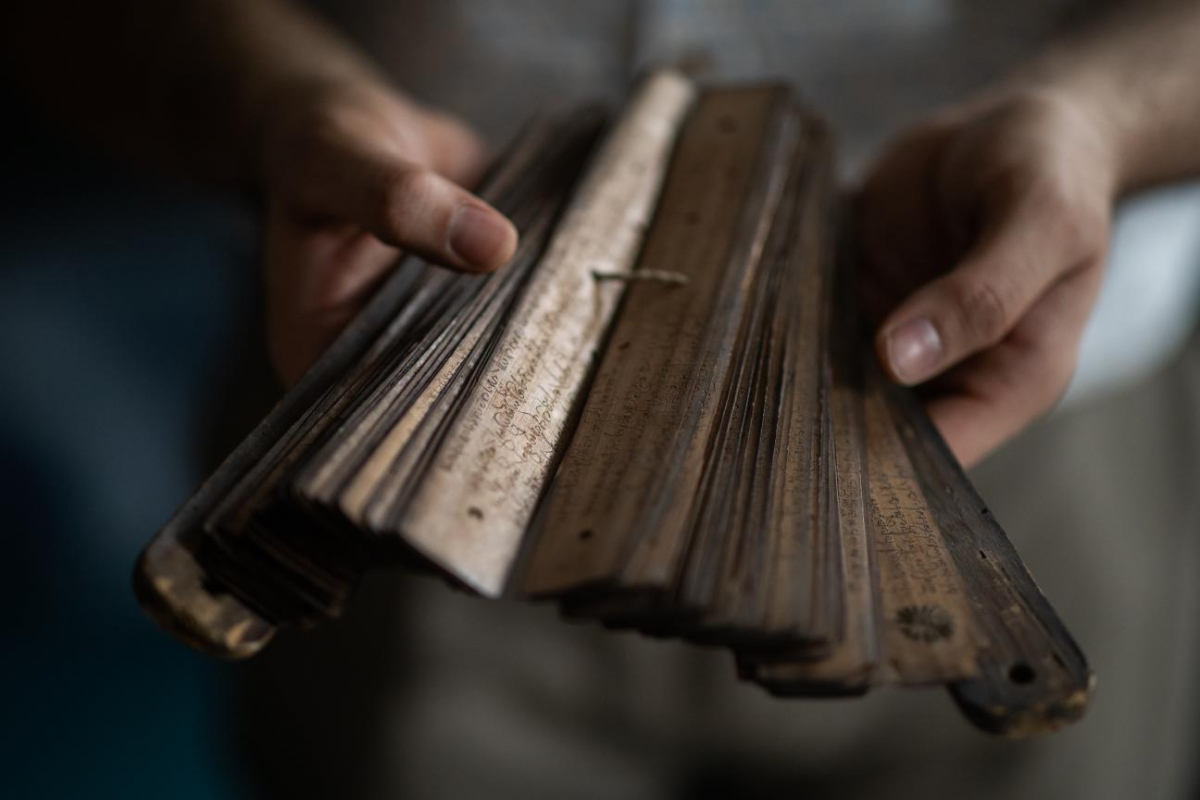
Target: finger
pixel 1009 388
pixel 317 277
pixel 973 307
pixel 455 151
pixel 994 395
pixel 409 206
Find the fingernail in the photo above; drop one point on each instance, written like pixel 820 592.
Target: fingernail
pixel 481 237
pixel 914 350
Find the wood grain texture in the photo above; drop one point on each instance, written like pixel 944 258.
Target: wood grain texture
pixel 662 415
pixel 1032 676
pixel 197 576
pixel 851 664
pixel 619 511
pixel 470 513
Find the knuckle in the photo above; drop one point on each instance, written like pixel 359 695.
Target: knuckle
pixel 1084 235
pixel 985 311
pixel 406 190
pixel 1061 361
pixel 1045 193
pixel 1058 367
pixel 1006 186
pixel 1079 220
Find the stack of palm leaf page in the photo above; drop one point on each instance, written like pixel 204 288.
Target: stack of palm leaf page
pixel 660 415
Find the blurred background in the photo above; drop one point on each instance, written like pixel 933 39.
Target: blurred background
pixel 131 360
pixel 121 301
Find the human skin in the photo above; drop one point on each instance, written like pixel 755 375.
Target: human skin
pixel 984 228
pixel 258 95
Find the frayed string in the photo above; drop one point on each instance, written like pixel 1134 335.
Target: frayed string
pixel 653 275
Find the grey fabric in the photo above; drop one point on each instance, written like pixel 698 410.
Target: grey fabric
pixel 871 66
pixel 496 62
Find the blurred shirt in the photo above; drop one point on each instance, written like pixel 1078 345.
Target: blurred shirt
pixel 869 67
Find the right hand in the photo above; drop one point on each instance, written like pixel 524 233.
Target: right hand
pixel 985 232
pixel 353 174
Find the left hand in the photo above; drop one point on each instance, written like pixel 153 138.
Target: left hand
pixel 984 233
pixel 353 173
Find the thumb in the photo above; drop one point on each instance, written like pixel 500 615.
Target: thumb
pixel 409 206
pixel 977 304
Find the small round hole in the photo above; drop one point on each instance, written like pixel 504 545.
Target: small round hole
pixel 1021 673
pixel 585 534
pixel 474 513
pixel 691 218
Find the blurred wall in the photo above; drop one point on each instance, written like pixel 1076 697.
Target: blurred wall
pixel 119 298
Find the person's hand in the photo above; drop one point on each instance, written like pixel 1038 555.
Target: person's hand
pixel 353 174
pixel 984 234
